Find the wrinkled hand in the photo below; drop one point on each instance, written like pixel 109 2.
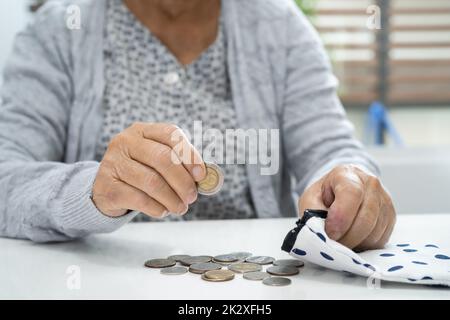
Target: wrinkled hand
pixel 361 215
pixel 151 168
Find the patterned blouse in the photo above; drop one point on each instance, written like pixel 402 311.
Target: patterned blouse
pixel 145 82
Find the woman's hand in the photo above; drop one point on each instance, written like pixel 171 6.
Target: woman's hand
pixel 151 168
pixel 361 215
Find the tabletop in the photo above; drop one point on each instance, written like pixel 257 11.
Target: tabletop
pixel 110 266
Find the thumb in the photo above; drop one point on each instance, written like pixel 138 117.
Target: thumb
pixel 312 199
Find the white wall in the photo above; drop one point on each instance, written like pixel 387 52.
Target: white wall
pixel 418 126
pixel 13 17
pixel 417 178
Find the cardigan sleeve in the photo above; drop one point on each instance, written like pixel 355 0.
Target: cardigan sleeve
pixel 42 198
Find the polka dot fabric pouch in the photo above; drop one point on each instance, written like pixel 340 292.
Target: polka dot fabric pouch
pixel 403 262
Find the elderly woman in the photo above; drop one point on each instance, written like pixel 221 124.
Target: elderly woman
pixel 88 114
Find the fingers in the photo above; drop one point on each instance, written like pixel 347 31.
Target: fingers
pixel 159 157
pixel 174 137
pixel 384 212
pixel 390 225
pixel 312 198
pixel 151 183
pixel 130 198
pixel 377 210
pixel 360 211
pixel 156 159
pixel 368 226
pixel 348 190
pixel 372 240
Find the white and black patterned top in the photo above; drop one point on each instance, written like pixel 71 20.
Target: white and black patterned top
pixel 145 82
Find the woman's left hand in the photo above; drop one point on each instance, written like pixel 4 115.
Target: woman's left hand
pixel 361 215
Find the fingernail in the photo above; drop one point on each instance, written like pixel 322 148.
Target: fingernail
pixel 182 208
pixel 197 172
pixel 165 214
pixel 192 196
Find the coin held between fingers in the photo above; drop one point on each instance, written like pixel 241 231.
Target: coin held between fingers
pixel 213 182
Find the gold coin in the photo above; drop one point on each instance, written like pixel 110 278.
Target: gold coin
pixel 213 181
pixel 218 275
pixel 244 267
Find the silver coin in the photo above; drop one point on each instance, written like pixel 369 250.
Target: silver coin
pixel 195 259
pixel 200 268
pixel 283 271
pixel 225 264
pixel 174 270
pixel 260 260
pixel 277 281
pixel 225 258
pixel 288 263
pixel 255 275
pixel 241 256
pixel 178 257
pixel 243 267
pixel 160 263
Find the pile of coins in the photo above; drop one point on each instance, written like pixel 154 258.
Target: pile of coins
pixel 212 268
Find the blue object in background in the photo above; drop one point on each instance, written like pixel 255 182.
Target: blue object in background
pixel 379 124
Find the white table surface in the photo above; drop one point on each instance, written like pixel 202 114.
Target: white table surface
pixel 112 265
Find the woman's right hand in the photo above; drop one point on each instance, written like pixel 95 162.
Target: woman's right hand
pixel 151 168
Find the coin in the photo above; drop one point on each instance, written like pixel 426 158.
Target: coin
pixel 260 260
pixel 195 259
pixel 160 263
pixel 255 275
pixel 218 275
pixel 178 257
pixel 200 268
pixel 277 281
pixel 283 271
pixel 241 255
pixel 243 267
pixel 174 270
pixel 225 264
pixel 213 181
pixel 225 258
pixel 289 263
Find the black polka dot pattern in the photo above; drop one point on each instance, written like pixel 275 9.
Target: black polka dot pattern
pixel 395 268
pixel 387 255
pixel 146 83
pixel 401 262
pixel 299 252
pixel 326 256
